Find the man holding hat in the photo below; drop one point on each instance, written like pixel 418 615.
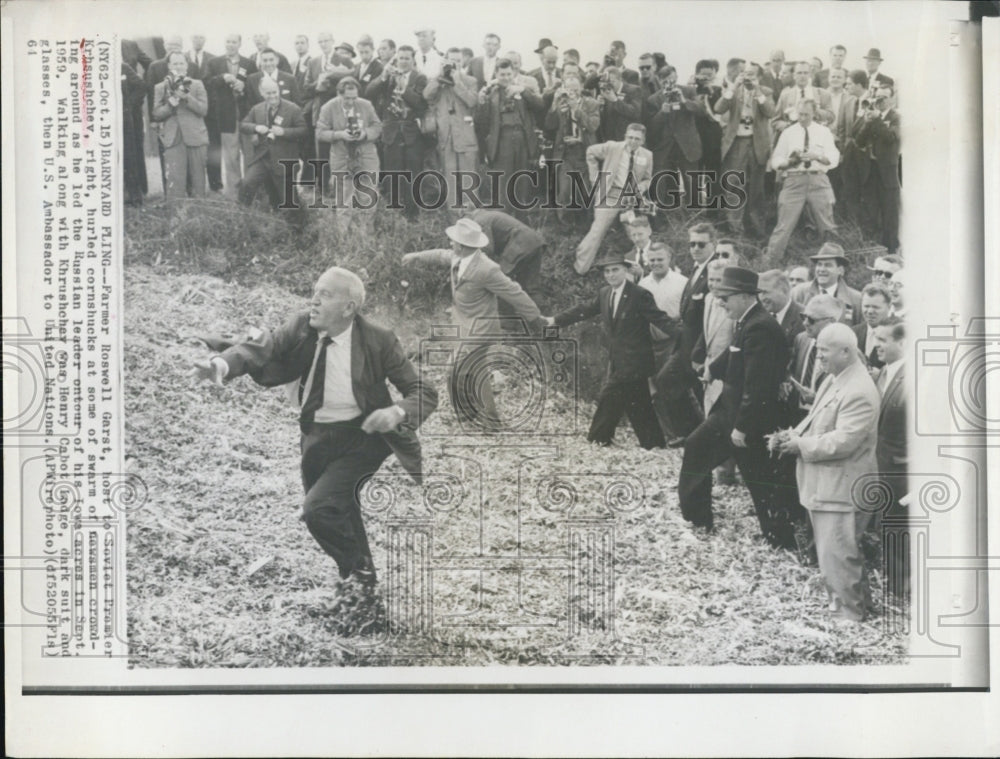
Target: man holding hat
pixel 476 284
pixel 747 411
pixel 627 312
pixel 829 265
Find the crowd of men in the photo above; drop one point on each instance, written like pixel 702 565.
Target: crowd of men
pixel 792 376
pixel 821 139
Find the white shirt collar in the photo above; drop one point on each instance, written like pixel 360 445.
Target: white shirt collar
pixel 891 370
pixel 780 316
pixel 344 338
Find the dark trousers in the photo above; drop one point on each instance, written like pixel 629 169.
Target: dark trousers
pixel 527 272
pixel 512 156
pixel 470 388
pixel 336 459
pixel 631 398
pixel 410 159
pixel 213 164
pixel 888 203
pixel 741 157
pixel 704 449
pixel 681 391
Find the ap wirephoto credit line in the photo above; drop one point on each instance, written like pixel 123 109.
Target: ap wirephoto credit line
pixel 399 347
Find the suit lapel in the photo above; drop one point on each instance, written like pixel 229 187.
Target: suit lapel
pixel 623 301
pixel 357 361
pixel 893 389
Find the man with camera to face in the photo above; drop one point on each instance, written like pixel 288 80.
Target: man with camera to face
pixel 180 104
pixel 573 120
pixel 398 97
pixel 746 142
pixel 451 102
pixel 879 133
pixel 621 103
pixel 505 115
pixel 805 152
pixel 673 132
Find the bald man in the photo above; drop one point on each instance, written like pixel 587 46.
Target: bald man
pixel 339 362
pixel 276 128
pixel 836 447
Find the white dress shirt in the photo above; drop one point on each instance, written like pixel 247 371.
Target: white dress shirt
pixel 489 68
pixel 780 316
pixel 666 291
pixel 429 63
pixel 616 298
pixel 339 403
pixel 820 142
pixel 891 370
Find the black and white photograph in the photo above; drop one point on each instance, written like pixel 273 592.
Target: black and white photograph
pixel 525 348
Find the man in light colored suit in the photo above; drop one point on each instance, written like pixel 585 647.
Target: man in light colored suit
pixel 476 284
pixel 746 142
pixel 180 105
pixel 451 103
pixel 835 445
pixel 786 111
pixel 620 173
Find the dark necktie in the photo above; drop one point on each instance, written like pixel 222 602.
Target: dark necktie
pixel 614 302
pixel 313 389
pixel 631 164
pixel 810 365
pixel 805 144
pixel 271 113
pixel 454 275
pixel 802 93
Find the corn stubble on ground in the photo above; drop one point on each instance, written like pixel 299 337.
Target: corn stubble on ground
pixel 222 572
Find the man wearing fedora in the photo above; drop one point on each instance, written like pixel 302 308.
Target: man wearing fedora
pixel 477 282
pixel 747 411
pixel 804 153
pixel 873 60
pixel 627 312
pixel 829 266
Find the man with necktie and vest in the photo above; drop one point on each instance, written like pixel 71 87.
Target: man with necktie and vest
pixel 805 374
pixel 891 452
pixel 477 282
pixel 835 445
pixel 275 127
pixel 746 412
pixel 339 362
pixel 804 153
pixel 627 312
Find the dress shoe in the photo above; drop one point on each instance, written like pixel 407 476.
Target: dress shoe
pixel 676 442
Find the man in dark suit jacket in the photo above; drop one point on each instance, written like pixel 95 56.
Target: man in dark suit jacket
pixel 346 437
pixel 135 57
pixel 276 127
pixel 289 89
pixel 516 247
pixel 621 105
pixel 677 382
pixel 399 101
pixel 627 311
pixel 483 67
pixel 263 42
pixel 879 133
pixel 891 449
pixel 875 304
pixel 505 119
pixel 674 137
pixel 226 85
pixel 775 297
pixel 747 411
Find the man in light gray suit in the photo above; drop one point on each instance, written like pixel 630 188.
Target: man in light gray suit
pixel 180 104
pixel 836 445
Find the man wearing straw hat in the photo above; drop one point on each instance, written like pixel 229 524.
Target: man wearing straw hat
pixel 745 414
pixel 477 282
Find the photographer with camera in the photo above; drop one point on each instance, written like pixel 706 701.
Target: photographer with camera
pixel 349 123
pixel 615 57
pixel 805 152
pixel 708 123
pixel 573 120
pixel 879 134
pixel 451 104
pixel 398 97
pixel 276 126
pixel 746 143
pixel 505 115
pixel 180 105
pixel 621 104
pixel 673 131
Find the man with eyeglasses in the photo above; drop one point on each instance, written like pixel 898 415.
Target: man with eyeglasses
pixel 747 411
pixel 805 373
pixel 677 382
pixel 883 267
pixel 829 266
pixel 875 300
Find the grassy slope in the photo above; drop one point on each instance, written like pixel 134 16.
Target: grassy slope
pixel 222 469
